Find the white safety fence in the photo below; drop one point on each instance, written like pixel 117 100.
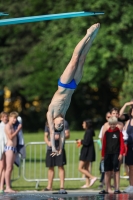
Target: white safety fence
pixel 34 168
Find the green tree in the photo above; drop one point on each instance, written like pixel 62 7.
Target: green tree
pixel 126 93
pixel 33 56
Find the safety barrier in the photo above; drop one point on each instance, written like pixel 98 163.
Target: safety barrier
pixel 34 168
pixel 34 165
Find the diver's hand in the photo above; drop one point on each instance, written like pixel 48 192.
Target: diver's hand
pixel 59 152
pixel 54 152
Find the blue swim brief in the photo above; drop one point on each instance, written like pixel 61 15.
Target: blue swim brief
pixel 71 85
pixel 7 148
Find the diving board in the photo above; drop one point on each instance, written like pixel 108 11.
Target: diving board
pixel 22 20
pixel 3 14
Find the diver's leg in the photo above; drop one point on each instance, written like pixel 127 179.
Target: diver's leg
pixel 79 70
pixel 71 68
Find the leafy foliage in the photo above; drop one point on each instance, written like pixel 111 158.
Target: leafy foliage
pixel 33 56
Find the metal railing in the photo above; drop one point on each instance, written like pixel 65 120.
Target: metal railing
pixel 34 169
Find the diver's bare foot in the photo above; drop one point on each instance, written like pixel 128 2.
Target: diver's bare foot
pixel 92 29
pixel 9 190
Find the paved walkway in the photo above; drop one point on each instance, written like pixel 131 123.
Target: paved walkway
pixel 71 195
pixel 48 195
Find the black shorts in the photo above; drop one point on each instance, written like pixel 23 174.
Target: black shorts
pixel 56 160
pixel 111 162
pixel 129 157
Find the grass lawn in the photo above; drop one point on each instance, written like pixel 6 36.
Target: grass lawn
pixel 39 170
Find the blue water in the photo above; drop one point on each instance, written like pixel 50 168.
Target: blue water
pixel 43 196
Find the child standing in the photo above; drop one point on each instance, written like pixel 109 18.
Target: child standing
pixel 112 151
pixel 10 148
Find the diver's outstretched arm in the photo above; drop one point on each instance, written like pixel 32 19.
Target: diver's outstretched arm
pixel 51 130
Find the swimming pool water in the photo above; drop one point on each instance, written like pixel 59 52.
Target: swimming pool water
pixel 44 196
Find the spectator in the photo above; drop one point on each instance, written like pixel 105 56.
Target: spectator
pixel 4 121
pixel 59 160
pixel 87 154
pixel 128 137
pixel 112 152
pixel 114 112
pixel 10 148
pixel 102 161
pixel 89 168
pixel 125 116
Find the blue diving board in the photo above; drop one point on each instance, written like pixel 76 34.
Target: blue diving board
pixel 3 14
pixel 22 20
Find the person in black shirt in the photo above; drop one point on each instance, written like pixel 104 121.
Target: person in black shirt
pixel 87 154
pixel 128 137
pixel 112 152
pixel 124 117
pixel 58 161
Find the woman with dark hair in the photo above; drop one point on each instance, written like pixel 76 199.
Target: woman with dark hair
pixel 128 137
pixel 87 154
